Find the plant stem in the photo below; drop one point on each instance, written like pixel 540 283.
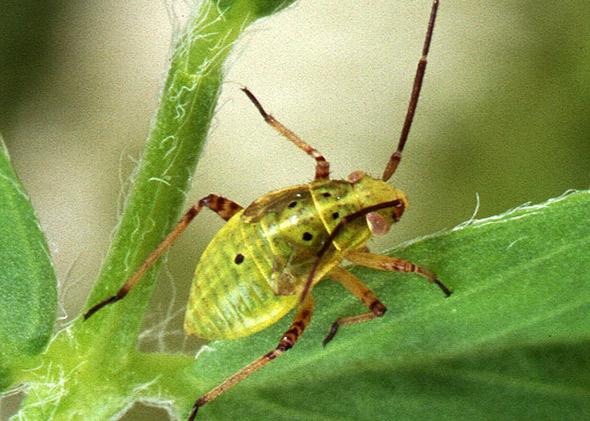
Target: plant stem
pixel 164 173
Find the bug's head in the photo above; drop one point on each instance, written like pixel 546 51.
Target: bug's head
pixel 373 192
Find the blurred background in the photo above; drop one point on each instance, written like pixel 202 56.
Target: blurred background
pixel 504 116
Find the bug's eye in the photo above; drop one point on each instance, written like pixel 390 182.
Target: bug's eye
pixel 377 223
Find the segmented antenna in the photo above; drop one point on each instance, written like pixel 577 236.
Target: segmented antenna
pixel 397 155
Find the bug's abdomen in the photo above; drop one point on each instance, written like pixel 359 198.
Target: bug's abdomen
pixel 251 273
pixel 230 295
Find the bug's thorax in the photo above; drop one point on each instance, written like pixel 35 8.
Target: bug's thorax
pixel 309 213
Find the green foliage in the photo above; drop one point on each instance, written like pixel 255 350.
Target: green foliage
pixel 93 355
pixel 25 37
pixel 510 343
pixel 27 281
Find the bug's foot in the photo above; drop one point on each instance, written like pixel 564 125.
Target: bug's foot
pixel 443 287
pixel 331 334
pixel 194 411
pixel 199 403
pixel 100 305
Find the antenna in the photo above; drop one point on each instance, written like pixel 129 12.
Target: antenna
pixel 418 78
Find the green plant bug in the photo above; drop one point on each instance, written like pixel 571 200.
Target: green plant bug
pixel 267 258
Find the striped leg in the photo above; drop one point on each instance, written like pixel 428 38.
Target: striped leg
pixel 225 208
pixel 322 169
pixel 360 291
pixel 290 337
pixel 377 261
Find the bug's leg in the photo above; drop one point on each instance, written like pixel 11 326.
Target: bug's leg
pixel 418 78
pixel 322 169
pixel 377 261
pixel 288 340
pixel 360 291
pixel 225 208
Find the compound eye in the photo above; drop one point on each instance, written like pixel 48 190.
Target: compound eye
pixel 377 223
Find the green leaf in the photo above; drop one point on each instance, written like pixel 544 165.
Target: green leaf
pixel 510 343
pixel 512 337
pixel 28 294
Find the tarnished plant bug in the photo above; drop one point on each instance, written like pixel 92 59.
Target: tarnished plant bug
pixel 267 258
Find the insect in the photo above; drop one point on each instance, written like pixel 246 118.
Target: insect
pixel 267 258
